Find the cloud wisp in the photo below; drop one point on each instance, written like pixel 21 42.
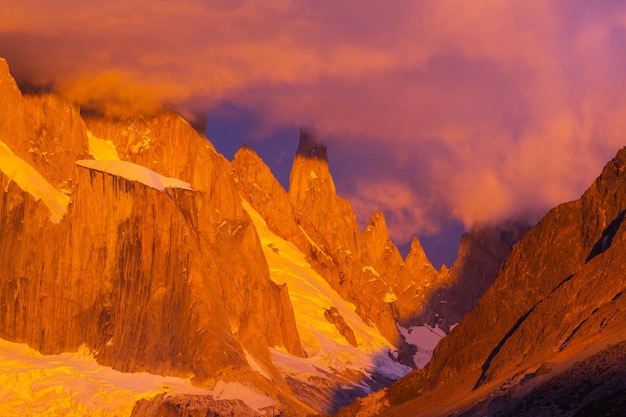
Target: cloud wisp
pixel 437 109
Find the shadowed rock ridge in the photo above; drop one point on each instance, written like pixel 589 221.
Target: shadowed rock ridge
pixel 555 306
pixel 482 251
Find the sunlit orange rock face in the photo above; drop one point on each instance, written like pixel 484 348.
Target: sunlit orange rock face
pixel 542 339
pixel 148 280
pixel 174 280
pixel 314 197
pixel 321 224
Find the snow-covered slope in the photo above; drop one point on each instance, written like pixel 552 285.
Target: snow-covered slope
pixel 75 384
pixel 31 181
pixel 330 356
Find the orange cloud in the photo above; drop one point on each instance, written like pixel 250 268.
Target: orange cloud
pixel 483 110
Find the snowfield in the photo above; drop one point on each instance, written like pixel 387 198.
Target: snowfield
pixel 102 149
pixel 74 384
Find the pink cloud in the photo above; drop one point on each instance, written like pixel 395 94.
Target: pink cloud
pixel 483 110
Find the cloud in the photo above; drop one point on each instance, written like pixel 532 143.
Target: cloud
pixel 478 111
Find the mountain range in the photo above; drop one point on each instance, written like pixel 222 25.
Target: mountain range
pixel 144 274
pixel 548 336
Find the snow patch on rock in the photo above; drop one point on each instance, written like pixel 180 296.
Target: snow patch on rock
pixel 256 366
pixel 390 297
pixel 102 149
pixel 134 172
pixel 31 181
pixel 238 391
pixel 371 270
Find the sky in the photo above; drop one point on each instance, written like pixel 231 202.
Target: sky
pixel 445 114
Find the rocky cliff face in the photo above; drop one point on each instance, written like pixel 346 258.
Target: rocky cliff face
pixel 416 283
pixel 150 279
pixel 257 185
pixel 323 226
pixel 171 147
pixel 555 304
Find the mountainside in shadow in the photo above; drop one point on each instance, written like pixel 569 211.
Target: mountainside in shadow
pixel 547 338
pixel 482 251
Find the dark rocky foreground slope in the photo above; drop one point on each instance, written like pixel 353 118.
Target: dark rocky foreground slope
pixel 547 337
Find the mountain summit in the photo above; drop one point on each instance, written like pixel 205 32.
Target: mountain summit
pixel 134 253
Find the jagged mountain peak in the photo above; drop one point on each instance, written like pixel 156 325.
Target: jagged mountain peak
pixel 548 337
pixel 416 254
pixel 604 204
pixel 375 235
pixel 257 185
pixel 6 79
pixel 379 249
pixel 376 224
pixel 312 191
pixel 310 179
